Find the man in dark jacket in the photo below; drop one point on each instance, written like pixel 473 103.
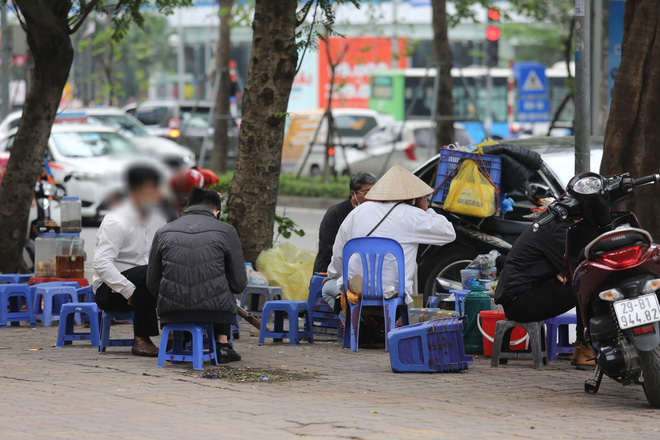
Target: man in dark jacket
pixel 534 285
pixel 360 185
pixel 195 267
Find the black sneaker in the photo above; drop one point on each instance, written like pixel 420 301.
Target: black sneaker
pixel 226 354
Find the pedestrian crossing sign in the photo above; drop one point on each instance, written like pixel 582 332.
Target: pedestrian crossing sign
pixel 532 81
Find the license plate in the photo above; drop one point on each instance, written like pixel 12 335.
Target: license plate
pixel 637 311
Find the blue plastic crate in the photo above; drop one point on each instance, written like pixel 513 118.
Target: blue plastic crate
pixel 429 347
pixel 449 160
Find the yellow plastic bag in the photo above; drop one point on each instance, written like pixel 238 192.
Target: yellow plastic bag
pixel 288 267
pixel 470 192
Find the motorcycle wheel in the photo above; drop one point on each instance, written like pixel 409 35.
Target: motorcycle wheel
pixel 650 361
pixel 448 267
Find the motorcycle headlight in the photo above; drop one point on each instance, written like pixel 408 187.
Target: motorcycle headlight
pixel 48 189
pixel 651 286
pixel 588 185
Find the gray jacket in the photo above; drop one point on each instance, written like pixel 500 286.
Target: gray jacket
pixel 196 266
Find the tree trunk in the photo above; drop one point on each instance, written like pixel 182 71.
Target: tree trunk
pixel 632 135
pixel 444 129
pixel 273 60
pixel 222 111
pixel 50 45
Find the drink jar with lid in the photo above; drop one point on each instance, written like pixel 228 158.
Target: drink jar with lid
pixel 71 215
pixel 45 246
pixel 70 257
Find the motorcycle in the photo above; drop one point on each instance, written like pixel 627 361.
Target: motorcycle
pixel 615 271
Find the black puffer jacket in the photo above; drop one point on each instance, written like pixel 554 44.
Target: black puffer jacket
pixel 195 267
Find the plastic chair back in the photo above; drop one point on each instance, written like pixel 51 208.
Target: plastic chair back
pixel 372 251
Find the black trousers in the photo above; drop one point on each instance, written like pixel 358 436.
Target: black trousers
pixel 145 321
pixel 543 301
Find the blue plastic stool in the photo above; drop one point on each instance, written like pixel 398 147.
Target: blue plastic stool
pixel 459 300
pixel 9 299
pixel 324 319
pixel 48 314
pixel 106 322
pixel 557 329
pixel 254 293
pixel 66 333
pixel 15 278
pixel 372 251
pixel 293 309
pixel 429 347
pixel 202 334
pixel 85 294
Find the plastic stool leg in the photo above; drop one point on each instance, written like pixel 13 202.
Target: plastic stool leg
pixel 163 348
pixel 47 312
pixel 262 328
pixel 500 329
pixel 294 330
pixel 308 325
pixel 198 348
pixel 535 339
pixel 106 321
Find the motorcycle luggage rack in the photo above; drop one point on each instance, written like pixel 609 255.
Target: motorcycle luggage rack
pixel 592 385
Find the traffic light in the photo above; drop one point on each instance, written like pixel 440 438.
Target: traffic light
pixel 492 38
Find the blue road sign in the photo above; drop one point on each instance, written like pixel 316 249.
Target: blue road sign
pixel 534 110
pixel 532 81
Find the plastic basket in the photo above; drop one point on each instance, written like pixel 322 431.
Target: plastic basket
pixel 429 347
pixel 449 160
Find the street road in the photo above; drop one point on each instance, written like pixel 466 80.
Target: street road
pixel 307 219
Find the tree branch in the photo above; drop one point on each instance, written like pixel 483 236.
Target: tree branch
pixel 306 10
pixel 309 37
pixel 21 20
pixel 79 18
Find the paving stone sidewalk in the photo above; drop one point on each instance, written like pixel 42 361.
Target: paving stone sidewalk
pixel 75 392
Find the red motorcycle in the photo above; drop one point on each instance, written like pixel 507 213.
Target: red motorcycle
pixel 615 270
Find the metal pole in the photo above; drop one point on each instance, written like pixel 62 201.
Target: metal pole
pixel 582 125
pixel 596 68
pixel 180 56
pixel 6 50
pixel 395 31
pixel 488 116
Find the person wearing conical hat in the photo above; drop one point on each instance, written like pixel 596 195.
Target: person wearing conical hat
pixel 396 208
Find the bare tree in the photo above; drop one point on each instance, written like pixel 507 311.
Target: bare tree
pixel 222 109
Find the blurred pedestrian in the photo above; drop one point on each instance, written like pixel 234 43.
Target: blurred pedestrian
pixel 361 183
pixel 196 265
pixel 121 254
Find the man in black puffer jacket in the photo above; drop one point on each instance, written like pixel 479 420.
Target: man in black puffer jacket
pixel 195 267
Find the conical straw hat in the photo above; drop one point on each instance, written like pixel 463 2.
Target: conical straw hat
pixel 398 184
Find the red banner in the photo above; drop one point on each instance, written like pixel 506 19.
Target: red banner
pixel 355 58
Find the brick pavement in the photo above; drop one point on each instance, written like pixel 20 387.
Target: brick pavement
pixel 74 392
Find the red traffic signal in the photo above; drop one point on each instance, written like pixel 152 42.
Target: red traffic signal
pixel 493 14
pixel 493 33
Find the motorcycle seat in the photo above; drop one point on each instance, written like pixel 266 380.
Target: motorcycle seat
pixel 617 239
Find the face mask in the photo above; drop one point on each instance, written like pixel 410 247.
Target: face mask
pixel 148 207
pixel 356 198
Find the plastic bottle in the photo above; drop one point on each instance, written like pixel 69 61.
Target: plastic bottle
pixel 44 254
pixel 475 301
pixel 70 215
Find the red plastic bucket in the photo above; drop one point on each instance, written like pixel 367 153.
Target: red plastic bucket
pixel 487 321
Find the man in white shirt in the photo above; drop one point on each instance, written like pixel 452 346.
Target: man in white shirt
pixel 397 208
pixel 123 242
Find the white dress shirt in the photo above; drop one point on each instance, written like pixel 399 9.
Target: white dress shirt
pixel 408 225
pixel 123 241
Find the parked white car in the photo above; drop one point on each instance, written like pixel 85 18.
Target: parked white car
pixel 90 162
pixel 408 144
pixel 172 154
pixel 352 125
